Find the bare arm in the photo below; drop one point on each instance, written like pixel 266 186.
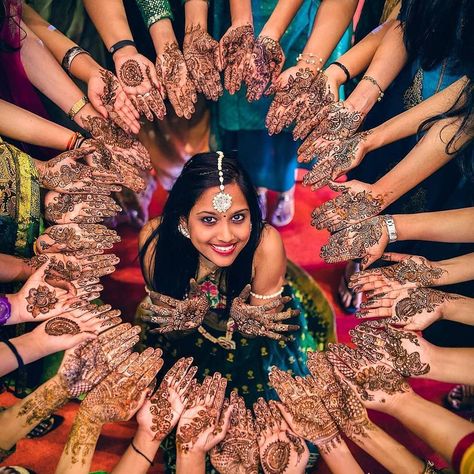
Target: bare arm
pixel 281 17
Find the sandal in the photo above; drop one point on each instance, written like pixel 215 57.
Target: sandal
pixel 15 470
pixel 461 398
pixel 348 300
pixel 46 426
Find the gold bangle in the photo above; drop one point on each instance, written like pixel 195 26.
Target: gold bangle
pixel 77 107
pixel 376 84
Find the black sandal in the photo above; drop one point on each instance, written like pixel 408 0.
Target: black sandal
pixel 46 426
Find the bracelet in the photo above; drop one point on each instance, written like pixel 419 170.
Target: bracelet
pixel 376 84
pixel 267 297
pixel 77 107
pixel 18 358
pixel 464 444
pixel 391 229
pixel 429 468
pixel 5 309
pixel 139 452
pixel 310 59
pixel 346 71
pixel 71 144
pixel 121 44
pixel 71 53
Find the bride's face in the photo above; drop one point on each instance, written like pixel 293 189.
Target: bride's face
pixel 220 237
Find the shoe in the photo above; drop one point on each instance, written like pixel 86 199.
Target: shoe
pixel 461 398
pixel 46 426
pixel 262 201
pixel 284 211
pixel 349 301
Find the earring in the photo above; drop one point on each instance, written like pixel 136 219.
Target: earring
pixel 183 231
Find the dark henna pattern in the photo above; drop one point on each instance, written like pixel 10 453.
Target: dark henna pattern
pixel 41 300
pixel 130 73
pixel 276 457
pixel 188 434
pixel 346 209
pixel 60 326
pixel 297 444
pixel 419 271
pixel 338 122
pixel 161 411
pixel 354 241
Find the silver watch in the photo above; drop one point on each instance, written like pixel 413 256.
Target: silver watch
pixel 391 229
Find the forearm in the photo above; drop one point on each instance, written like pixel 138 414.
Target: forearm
pixel 196 14
pixel 384 71
pixel 162 33
pixel 435 425
pixel 452 365
pixel 459 309
pixel 408 122
pixel 83 66
pixel 131 461
pixel 22 125
pixel 77 454
pixel 457 270
pixel 241 12
pixel 428 155
pixel 281 17
pixel 14 268
pixel 359 56
pixel 389 453
pixel 332 19
pixel 456 225
pixel 18 420
pixel 190 462
pixel 27 348
pixel 340 460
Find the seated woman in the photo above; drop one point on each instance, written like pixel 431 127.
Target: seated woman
pixel 211 230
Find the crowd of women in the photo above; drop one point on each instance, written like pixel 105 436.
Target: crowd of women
pixel 231 364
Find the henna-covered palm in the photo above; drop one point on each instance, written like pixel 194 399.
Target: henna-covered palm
pixel 376 384
pixel 265 66
pixel 410 272
pixel 177 315
pixel 79 239
pixel 108 97
pixel 85 365
pixel 237 453
pixel 357 202
pixel 78 208
pixel 334 159
pixel 366 240
pixel 321 94
pixel 160 414
pixel 206 418
pixel 64 174
pixel 262 320
pixel 172 71
pixel 123 146
pixel 281 450
pixel 338 398
pixel 310 419
pixel 413 308
pixel 202 56
pixel 404 351
pixel 236 47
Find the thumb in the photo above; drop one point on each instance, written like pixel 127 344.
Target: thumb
pixel 96 102
pixel 81 338
pixel 339 187
pixel 395 257
pixel 81 153
pixel 245 293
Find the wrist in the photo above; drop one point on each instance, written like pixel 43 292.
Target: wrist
pixel 271 32
pixel 125 51
pixel 242 21
pixel 335 74
pixel 15 313
pixel 145 441
pixel 364 97
pixel 196 13
pixel 86 111
pixel 162 33
pixel 29 348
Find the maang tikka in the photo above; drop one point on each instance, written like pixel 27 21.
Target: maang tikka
pixel 222 201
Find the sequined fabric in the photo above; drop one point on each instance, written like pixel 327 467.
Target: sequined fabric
pixel 154 10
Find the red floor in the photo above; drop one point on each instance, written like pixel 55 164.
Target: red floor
pixel 124 289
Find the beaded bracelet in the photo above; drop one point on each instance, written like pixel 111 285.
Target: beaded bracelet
pixel 5 309
pixel 376 84
pixel 267 297
pixel 310 59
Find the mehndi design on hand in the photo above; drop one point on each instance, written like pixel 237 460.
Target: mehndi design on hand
pixel 201 53
pixel 262 320
pixel 177 315
pixel 236 47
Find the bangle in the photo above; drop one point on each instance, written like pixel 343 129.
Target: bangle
pixel 267 297
pixel 18 358
pixel 77 107
pixel 71 144
pixel 376 84
pixel 121 44
pixel 464 444
pixel 341 66
pixel 391 229
pixel 310 59
pixel 71 53
pixel 5 309
pixel 139 452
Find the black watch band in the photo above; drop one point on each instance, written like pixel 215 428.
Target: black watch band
pixel 121 44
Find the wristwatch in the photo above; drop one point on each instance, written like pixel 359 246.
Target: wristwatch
pixel 391 229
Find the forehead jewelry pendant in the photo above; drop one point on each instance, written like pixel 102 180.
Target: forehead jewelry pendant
pixel 221 201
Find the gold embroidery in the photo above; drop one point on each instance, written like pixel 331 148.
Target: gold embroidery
pixel 413 95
